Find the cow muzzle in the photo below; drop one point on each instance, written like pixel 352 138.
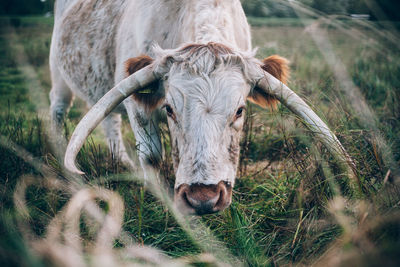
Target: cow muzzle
pixel 203 199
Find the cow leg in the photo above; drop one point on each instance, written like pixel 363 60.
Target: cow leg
pixel 112 128
pixel 61 98
pixel 148 142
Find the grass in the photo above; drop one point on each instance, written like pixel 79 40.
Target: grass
pixel 291 205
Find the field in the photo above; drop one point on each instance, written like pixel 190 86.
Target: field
pixel 292 205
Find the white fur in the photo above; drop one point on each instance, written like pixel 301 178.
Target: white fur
pixel 93 38
pixel 205 91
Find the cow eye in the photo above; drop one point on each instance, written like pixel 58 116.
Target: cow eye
pixel 239 112
pixel 169 110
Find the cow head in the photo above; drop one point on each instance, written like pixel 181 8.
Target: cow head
pixel 204 93
pixel 203 89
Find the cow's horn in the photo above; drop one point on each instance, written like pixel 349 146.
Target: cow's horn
pixel 292 101
pixel 102 108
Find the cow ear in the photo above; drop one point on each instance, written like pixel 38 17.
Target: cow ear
pixel 134 64
pixel 278 67
pixel 152 96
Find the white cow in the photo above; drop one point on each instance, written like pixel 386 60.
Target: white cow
pixel 192 57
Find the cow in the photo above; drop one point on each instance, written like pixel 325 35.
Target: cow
pixel 191 59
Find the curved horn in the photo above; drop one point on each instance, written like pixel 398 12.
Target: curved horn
pixel 102 108
pixel 292 101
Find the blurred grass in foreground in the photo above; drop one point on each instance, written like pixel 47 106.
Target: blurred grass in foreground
pixel 291 205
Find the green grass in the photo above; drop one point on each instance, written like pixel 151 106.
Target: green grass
pixel 281 212
pixel 26 21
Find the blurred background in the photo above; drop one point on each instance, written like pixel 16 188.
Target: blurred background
pixel 292 204
pixel 258 8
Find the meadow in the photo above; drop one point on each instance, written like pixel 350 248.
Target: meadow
pixel 291 205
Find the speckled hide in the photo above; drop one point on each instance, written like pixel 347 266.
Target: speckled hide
pixel 93 38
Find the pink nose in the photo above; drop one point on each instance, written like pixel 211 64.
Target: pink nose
pixel 203 199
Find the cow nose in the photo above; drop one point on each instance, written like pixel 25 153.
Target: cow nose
pixel 203 199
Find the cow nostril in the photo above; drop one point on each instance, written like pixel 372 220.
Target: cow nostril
pixel 201 203
pixel 221 198
pixel 203 199
pixel 186 200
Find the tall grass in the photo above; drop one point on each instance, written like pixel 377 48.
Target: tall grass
pixel 291 203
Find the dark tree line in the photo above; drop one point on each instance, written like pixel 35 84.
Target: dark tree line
pixel 272 8
pixel 25 7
